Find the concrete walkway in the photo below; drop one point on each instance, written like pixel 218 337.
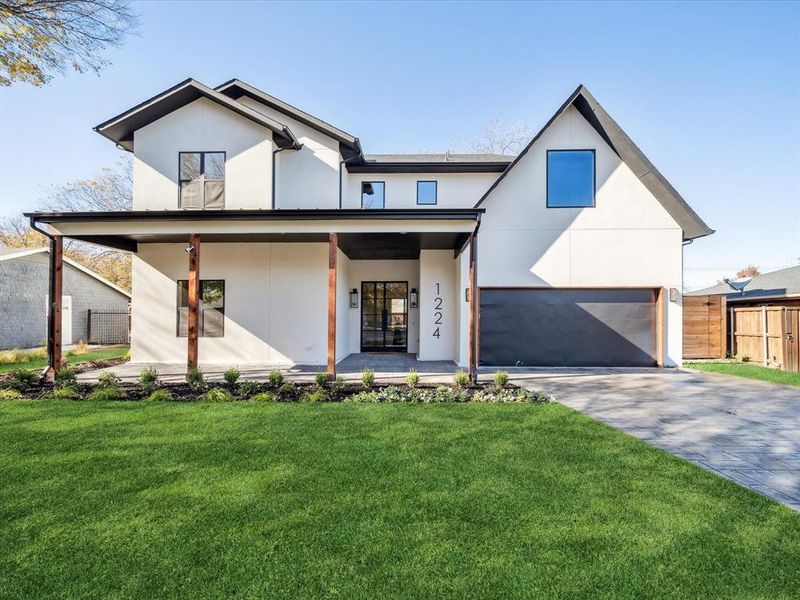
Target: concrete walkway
pixel 747 431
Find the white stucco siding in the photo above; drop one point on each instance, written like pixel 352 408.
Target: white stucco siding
pixel 439 314
pixel 343 287
pixel 305 178
pixel 202 126
pixel 275 303
pixel 454 190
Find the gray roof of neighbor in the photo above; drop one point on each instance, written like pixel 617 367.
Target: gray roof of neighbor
pixel 785 282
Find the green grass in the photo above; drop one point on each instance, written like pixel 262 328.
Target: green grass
pixel 140 500
pixel 73 359
pixel 750 371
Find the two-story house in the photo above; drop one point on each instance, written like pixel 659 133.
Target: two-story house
pixel 263 235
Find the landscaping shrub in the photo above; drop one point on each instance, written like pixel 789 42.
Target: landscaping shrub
pixel 148 379
pixel 80 348
pixel 412 379
pixel 232 375
pixel 501 379
pixel 368 377
pixel 315 396
pixel 508 395
pixel 445 394
pixel 161 395
pixel 195 379
pixel 248 388
pixel 15 355
pixel 66 377
pixel 10 394
pixel 322 379
pixel 263 397
pixel 63 393
pixel 21 379
pixel 287 392
pixel 275 379
pixel 337 386
pixel 107 393
pixel 217 395
pixel 108 379
pixel 461 379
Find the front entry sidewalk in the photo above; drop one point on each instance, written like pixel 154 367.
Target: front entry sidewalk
pixel 747 431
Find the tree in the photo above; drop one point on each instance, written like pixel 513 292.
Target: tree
pixel 501 137
pixel 41 37
pixel 749 271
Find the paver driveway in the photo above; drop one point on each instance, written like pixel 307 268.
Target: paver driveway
pixel 747 431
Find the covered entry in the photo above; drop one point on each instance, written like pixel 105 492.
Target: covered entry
pixel 384 316
pixel 568 327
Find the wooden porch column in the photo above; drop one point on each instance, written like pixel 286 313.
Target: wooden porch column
pixel 333 245
pixel 473 307
pixel 55 293
pixel 194 300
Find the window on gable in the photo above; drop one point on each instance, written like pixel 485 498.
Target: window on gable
pixel 202 179
pixel 570 178
pixel 426 192
pixel 372 194
pixel 211 318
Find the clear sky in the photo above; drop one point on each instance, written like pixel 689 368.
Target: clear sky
pixel 710 92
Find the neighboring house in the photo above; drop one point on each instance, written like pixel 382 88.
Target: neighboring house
pixel 24 292
pixel 308 250
pixel 778 288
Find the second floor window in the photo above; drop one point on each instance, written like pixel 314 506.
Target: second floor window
pixel 372 194
pixel 202 179
pixel 570 178
pixel 426 192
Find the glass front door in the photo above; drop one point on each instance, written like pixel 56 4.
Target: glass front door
pixel 384 316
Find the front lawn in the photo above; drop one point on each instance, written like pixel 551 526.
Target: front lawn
pixel 747 370
pixel 72 359
pixel 202 500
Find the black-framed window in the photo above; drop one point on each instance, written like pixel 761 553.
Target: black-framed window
pixel 373 194
pixel 426 192
pixel 570 178
pixel 201 179
pixel 211 317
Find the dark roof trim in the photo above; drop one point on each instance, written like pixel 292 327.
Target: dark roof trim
pixel 236 88
pixel 693 226
pixel 430 167
pixel 354 214
pixel 120 129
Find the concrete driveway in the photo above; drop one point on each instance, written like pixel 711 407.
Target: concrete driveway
pixel 745 430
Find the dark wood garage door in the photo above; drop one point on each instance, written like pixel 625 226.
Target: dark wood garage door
pixel 568 328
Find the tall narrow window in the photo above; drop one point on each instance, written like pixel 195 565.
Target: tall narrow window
pixel 570 178
pixel 372 194
pixel 202 179
pixel 426 192
pixel 211 310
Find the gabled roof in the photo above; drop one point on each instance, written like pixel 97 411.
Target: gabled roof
pixel 120 129
pixel 692 225
pixel 236 88
pixel 5 255
pixel 776 284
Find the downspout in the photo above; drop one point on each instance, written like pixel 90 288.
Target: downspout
pixel 51 287
pixel 359 155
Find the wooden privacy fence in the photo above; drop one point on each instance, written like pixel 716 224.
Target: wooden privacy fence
pixel 766 334
pixel 704 327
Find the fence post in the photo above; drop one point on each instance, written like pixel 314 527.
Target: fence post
pixel 733 330
pixel 89 326
pixel 764 339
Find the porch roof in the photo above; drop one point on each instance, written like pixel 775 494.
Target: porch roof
pixel 363 233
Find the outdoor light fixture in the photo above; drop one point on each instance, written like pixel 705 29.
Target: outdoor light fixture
pixel 189 249
pixel 354 298
pixel 413 298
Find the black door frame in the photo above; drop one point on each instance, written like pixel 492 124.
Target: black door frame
pixel 384 348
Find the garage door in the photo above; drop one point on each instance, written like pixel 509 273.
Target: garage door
pixel 567 328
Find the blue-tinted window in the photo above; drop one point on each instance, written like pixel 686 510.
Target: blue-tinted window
pixel 570 178
pixel 372 194
pixel 426 192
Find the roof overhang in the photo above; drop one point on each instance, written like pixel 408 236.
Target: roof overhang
pixel 430 167
pixel 120 129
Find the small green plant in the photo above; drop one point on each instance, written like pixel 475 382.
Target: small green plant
pixel 337 386
pixel 287 392
pixel 161 395
pixel 195 379
pixel 148 378
pixel 21 379
pixel 412 379
pixel 10 394
pixel 461 379
pixel 322 379
pixel 368 378
pixel 217 395
pixel 108 379
pixel 232 375
pixel 107 393
pixel 501 379
pixel 315 396
pixel 263 397
pixel 248 388
pixel 275 379
pixel 66 377
pixel 64 393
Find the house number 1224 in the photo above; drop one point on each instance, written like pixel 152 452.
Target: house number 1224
pixel 437 312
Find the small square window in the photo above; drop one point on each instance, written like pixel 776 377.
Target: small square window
pixel 372 194
pixel 426 192
pixel 570 178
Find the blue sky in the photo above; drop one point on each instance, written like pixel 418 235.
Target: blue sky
pixel 710 92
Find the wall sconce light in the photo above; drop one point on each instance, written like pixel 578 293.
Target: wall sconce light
pixel 673 294
pixel 354 298
pixel 189 249
pixel 413 298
